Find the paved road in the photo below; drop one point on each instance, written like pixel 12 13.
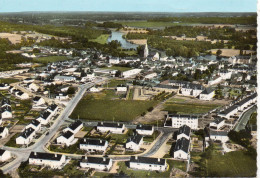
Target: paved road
pixel 22 154
pixel 244 119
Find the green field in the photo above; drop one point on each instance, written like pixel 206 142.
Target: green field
pixel 8 80
pixel 106 106
pixel 122 69
pixel 145 24
pixel 232 164
pixel 114 83
pixel 51 59
pixel 102 39
pixel 188 108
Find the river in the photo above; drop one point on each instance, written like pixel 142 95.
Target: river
pixel 116 35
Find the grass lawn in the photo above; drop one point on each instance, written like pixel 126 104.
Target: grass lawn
pixel 151 138
pixel 12 141
pixel 8 80
pixel 109 110
pixel 141 173
pixel 114 83
pixel 51 59
pixel 130 53
pixel 182 165
pixel 122 69
pixel 188 108
pixel 232 164
pixel 102 39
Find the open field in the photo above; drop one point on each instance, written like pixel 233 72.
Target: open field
pixel 139 41
pixel 122 69
pixel 51 59
pixel 8 80
pixel 114 83
pixel 232 164
pixel 231 52
pixel 102 39
pixel 106 106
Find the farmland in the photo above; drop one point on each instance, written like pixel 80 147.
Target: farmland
pixel 50 59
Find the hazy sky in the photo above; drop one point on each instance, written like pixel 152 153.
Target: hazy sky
pixel 130 5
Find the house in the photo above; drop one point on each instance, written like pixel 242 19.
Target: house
pixel 180 120
pixel 150 75
pixel 37 100
pixel 61 78
pixel 28 80
pixel 147 163
pixel 45 117
pixel 4 86
pixel 66 138
pixel 182 149
pixel 225 74
pixel 145 129
pixel 74 127
pixel 116 128
pixel 207 94
pixel 214 80
pixel 134 142
pixel 93 145
pixel 95 89
pixel 6 112
pixel 131 73
pixel 97 163
pixel 55 161
pixel 184 131
pixel 21 95
pixel 121 88
pixel 33 87
pixel 62 96
pixel 26 137
pixel 53 108
pixel 190 89
pixel 4 132
pixel 218 136
pixel 5 102
pixel 35 124
pixel 114 61
pixel 217 123
pixel 5 155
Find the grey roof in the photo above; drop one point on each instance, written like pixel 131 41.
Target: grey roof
pixel 45 156
pixel 96 160
pixel 184 130
pixel 183 116
pixel 147 160
pixel 67 134
pixel 135 138
pixel 218 133
pixel 45 114
pixel 182 144
pixel 144 127
pixel 2 152
pixel 91 141
pixel 35 122
pixel 5 101
pixel 75 125
pixel 166 86
pixel 52 107
pixel 218 120
pixel 207 91
pixel 108 124
pixel 27 132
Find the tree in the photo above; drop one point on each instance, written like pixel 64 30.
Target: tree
pixel 118 73
pixel 219 52
pixel 71 91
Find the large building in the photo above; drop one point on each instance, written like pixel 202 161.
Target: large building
pixel 180 120
pixel 146 163
pixel 98 163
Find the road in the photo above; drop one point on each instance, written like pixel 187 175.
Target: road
pixel 22 154
pixel 244 119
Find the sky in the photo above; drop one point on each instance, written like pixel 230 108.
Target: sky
pixel 130 5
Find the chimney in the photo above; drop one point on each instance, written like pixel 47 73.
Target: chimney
pixel 101 123
pixel 136 157
pixel 159 159
pixel 100 141
pixel 55 155
pixel 84 140
pixel 118 123
pixel 35 153
pixel 104 159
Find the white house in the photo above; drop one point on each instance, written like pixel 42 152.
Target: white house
pixel 131 73
pixel 145 129
pixel 66 138
pixel 55 161
pixel 218 136
pixel 121 88
pixel 116 128
pixel 97 163
pixel 95 89
pixel 182 149
pixel 21 95
pixel 215 80
pixel 35 124
pixel 28 80
pixel 74 127
pixel 62 96
pixel 6 112
pixel 37 101
pixel 114 61
pixel 5 155
pixel 180 120
pixel 134 142
pixel 53 109
pixel 64 78
pixel 33 87
pixel 4 86
pixel 191 89
pixel 150 75
pixel 207 94
pixel 26 137
pixel 45 117
pixel 225 74
pixel 93 145
pixel 147 163
pixel 184 131
pixel 217 123
pixel 5 102
pixel 4 132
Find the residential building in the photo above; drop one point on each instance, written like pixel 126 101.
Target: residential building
pixel 37 100
pixel 93 145
pixel 218 136
pixel 3 132
pixel 116 128
pixel 134 142
pixel 5 155
pixel 45 117
pixel 182 149
pixel 147 163
pixel 6 112
pixel 217 123
pixel 207 94
pixel 74 127
pixel 66 138
pixel 97 163
pixel 121 88
pixel 131 73
pixel 180 120
pixel 184 131
pixel 35 124
pixel 145 129
pixel 26 137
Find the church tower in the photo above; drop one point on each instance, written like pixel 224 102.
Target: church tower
pixel 146 51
